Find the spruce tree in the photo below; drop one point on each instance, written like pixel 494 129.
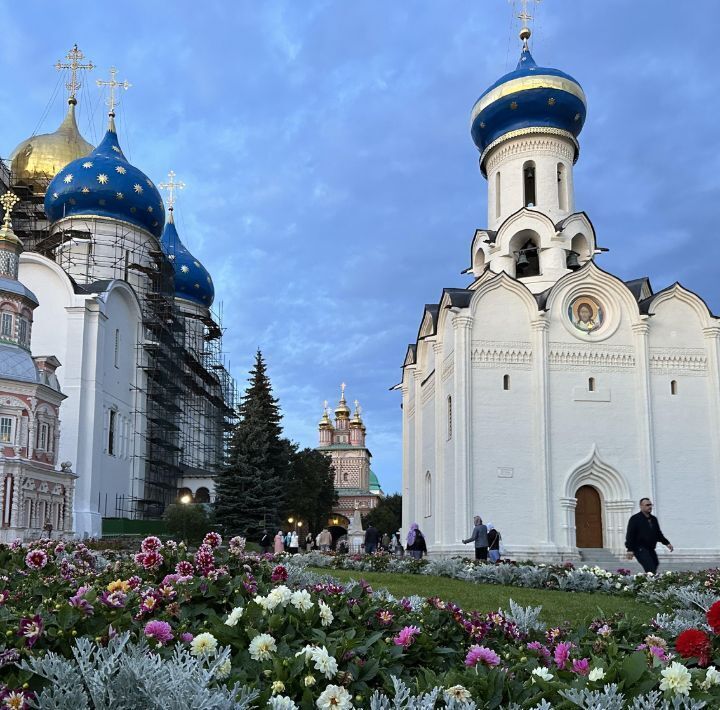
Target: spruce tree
pixel 251 487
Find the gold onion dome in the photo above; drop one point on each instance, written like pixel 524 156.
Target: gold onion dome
pixel 325 422
pixel 39 158
pixel 342 410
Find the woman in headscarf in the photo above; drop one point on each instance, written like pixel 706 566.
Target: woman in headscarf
pixel 279 541
pixel 493 543
pixel 416 542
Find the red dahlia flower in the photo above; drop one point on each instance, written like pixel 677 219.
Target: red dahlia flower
pixel 713 617
pixel 694 644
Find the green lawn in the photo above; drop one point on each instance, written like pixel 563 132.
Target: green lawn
pixel 576 607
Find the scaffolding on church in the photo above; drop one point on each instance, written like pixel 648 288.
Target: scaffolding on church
pixel 184 396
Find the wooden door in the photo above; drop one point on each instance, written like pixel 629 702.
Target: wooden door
pixel 588 518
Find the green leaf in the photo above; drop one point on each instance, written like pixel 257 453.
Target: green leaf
pixel 633 666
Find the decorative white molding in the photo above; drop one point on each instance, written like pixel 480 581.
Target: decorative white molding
pixel 448 367
pixel 517 355
pixel 688 361
pixel 569 356
pixel 532 144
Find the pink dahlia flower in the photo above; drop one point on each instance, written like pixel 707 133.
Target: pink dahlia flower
pixel 562 653
pixel 406 637
pixel 481 654
pixel 161 631
pixel 581 666
pixel 31 629
pixel 184 568
pixel 212 539
pixel 36 559
pixel 151 544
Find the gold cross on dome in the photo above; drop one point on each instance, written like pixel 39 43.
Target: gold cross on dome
pixel 342 390
pixel 171 186
pixel 74 57
pixel 112 102
pixel 325 406
pixel 524 15
pixel 8 201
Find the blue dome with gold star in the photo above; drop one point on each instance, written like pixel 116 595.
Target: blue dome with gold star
pixel 530 97
pixel 192 280
pixel 105 184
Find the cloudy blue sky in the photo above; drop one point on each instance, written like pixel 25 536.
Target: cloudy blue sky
pixel 332 186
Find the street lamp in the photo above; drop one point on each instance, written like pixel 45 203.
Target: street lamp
pixel 185 499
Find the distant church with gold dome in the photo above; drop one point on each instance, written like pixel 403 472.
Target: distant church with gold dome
pixel 125 311
pixel 344 442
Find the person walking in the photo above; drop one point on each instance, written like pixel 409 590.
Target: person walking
pixel 294 543
pixel 385 542
pixel 371 539
pixel 479 535
pixel 279 542
pixel 309 541
pixel 494 538
pixel 643 534
pixel 416 544
pixel 265 542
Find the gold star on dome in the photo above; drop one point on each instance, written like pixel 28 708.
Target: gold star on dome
pixel 577 116
pixel 172 257
pixel 102 178
pixel 149 182
pixel 513 105
pixel 68 179
pixel 138 188
pixel 55 195
pixel 184 269
pixel 87 164
pixel 208 280
pixel 551 101
pixel 149 208
pixel 119 195
pixel 120 170
pixel 482 124
pixel 197 285
pixel 85 189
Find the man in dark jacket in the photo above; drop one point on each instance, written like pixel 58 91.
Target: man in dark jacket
pixel 643 533
pixel 265 542
pixel 480 536
pixel 371 539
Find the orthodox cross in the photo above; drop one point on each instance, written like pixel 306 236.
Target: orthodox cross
pixel 525 17
pixel 112 101
pixel 74 57
pixel 8 201
pixel 325 406
pixel 171 186
pixel 342 390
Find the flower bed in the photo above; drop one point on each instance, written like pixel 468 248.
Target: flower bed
pixel 231 621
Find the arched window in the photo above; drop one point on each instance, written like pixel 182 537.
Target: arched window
pixel 673 387
pixel 529 184
pixel 497 195
pixel 506 382
pixel 428 494
pixel 449 417
pixel 562 187
pixel 591 384
pixel 202 495
pixel 6 325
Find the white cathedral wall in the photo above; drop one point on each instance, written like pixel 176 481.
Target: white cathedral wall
pixel 80 332
pixel 687 493
pixel 427 474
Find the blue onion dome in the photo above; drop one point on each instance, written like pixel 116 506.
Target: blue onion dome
pixel 192 280
pixel 105 184
pixel 531 97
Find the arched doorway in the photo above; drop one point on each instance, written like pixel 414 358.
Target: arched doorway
pixel 588 518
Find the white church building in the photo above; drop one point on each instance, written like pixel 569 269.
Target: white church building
pixel 549 396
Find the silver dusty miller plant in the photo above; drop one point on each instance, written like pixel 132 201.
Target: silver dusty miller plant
pixel 128 676
pixel 526 618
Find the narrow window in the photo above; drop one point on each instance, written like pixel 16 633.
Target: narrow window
pixel 23 332
pixel 506 382
pixel 6 429
pixel 449 417
pixel 43 437
pixel 497 195
pixel 673 387
pixel 111 433
pixel 6 328
pixel 428 494
pixel 562 187
pixel 591 384
pixel 529 184
pixel 117 347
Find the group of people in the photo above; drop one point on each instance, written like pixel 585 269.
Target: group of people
pixel 292 543
pixel 487 540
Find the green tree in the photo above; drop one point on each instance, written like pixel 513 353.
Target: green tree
pixel 387 515
pixel 311 489
pixel 188 522
pixel 251 488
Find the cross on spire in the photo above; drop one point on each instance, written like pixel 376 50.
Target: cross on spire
pixel 171 186
pixel 112 102
pixel 8 201
pixel 74 64
pixel 342 391
pixel 525 18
